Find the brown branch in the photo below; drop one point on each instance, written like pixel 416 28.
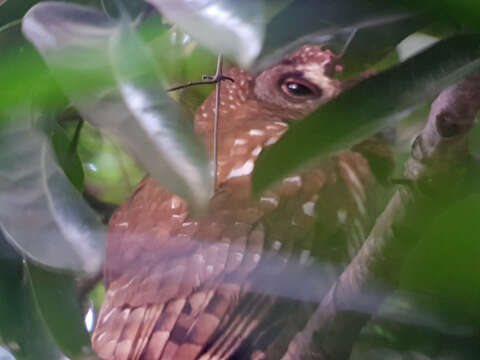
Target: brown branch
pixel 438 156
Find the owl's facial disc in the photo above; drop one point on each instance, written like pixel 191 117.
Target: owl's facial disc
pixel 300 83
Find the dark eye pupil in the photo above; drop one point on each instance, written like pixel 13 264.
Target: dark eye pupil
pixel 298 89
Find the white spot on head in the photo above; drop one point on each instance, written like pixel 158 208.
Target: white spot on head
pixel 276 245
pixel 204 115
pixel 123 225
pixel 233 107
pixel 243 170
pixel 230 97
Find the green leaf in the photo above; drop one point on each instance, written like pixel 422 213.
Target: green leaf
pixel 4 353
pixel 21 326
pixel 170 149
pixel 132 7
pixel 368 107
pixel 41 213
pixel 463 12
pixel 445 264
pixel 360 31
pixel 129 102
pixel 56 301
pixel 234 28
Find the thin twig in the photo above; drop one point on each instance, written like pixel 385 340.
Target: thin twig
pixel 207 80
pixel 215 125
pixel 217 80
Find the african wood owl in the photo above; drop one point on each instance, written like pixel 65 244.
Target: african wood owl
pixel 236 282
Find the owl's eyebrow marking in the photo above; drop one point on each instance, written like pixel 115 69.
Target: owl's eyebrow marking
pixel 292 74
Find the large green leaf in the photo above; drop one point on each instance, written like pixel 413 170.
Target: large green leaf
pixel 369 106
pixel 4 353
pixel 126 98
pixel 56 301
pixel 39 310
pixel 41 213
pixel 234 28
pixel 463 12
pixel 361 31
pixel 445 264
pixel 21 326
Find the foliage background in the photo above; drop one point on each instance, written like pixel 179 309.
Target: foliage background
pixel 435 312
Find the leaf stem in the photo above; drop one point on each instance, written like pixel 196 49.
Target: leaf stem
pixel 76 137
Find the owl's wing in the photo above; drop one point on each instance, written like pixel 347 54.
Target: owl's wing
pixel 174 282
pixel 167 275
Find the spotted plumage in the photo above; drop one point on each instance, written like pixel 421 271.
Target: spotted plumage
pixel 222 285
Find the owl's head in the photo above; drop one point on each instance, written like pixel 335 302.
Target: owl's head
pixel 300 83
pixel 287 91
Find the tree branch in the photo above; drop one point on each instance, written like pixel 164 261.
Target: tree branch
pixel 439 156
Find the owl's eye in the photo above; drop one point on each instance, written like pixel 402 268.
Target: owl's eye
pixel 299 88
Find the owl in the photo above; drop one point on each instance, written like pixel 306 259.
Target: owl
pixel 238 281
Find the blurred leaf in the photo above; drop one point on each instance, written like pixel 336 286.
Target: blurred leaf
pixel 67 157
pixel 132 7
pixel 22 70
pixel 4 353
pixel 463 12
pixel 359 30
pixel 183 60
pixel 41 213
pixel 175 155
pixel 234 28
pixel 414 44
pixel 110 173
pixel 56 300
pixel 21 326
pixel 445 264
pixel 128 103
pixel 371 105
